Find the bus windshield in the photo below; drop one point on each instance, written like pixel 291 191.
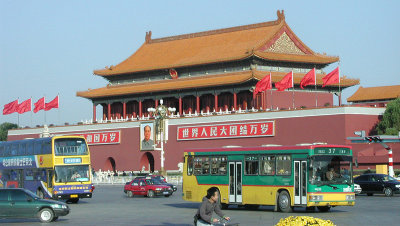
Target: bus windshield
pixel 70 146
pixel 330 169
pixel 71 173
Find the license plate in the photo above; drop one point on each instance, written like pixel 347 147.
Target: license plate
pixel 165 193
pixel 74 196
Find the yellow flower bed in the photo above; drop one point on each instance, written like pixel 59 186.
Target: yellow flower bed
pixel 303 220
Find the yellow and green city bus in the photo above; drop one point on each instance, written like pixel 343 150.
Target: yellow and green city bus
pixel 282 176
pixel 52 167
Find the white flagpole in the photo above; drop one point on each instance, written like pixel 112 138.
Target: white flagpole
pixel 58 109
pixel 340 95
pixel 18 112
pixel 44 100
pixel 270 82
pixel 315 84
pixel 31 112
pixel 293 89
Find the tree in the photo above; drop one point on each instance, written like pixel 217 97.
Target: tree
pixel 4 130
pixel 390 123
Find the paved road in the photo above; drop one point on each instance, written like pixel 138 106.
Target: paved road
pixel 110 206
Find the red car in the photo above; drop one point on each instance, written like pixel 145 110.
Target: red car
pixel 146 187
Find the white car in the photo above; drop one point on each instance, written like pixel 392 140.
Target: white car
pixel 357 189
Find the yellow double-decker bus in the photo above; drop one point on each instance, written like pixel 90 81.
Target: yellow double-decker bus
pixel 52 167
pixel 284 176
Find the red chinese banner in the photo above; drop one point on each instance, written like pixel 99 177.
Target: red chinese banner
pixel 236 130
pixel 113 137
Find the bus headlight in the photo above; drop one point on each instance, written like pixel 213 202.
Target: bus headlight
pixel 350 197
pixel 316 198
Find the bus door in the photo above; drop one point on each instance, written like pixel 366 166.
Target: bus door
pixel 235 182
pixel 300 182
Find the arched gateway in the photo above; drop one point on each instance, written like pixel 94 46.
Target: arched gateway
pixel 147 162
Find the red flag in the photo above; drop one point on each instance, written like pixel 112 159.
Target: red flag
pixel 331 78
pixel 309 79
pixel 10 107
pixel 262 85
pixel 39 105
pixel 25 106
pixel 52 104
pixel 285 83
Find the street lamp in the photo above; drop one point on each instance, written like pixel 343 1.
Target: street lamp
pixel 161 114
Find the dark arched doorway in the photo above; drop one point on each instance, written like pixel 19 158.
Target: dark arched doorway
pixel 110 164
pixel 147 162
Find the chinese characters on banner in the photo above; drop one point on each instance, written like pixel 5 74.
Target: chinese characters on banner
pixel 252 129
pixel 113 137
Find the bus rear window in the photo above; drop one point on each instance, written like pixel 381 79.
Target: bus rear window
pixel 70 146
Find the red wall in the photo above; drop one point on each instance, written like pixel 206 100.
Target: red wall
pixel 332 129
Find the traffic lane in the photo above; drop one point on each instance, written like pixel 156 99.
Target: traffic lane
pixel 110 206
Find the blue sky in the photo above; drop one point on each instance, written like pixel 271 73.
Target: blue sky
pixel 52 47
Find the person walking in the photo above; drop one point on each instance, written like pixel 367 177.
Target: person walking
pixel 208 206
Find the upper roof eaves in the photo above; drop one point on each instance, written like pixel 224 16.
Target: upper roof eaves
pixel 214 46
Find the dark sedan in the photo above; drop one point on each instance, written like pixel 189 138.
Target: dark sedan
pixel 21 203
pixel 378 183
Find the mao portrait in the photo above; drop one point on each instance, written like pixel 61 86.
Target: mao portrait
pixel 146 136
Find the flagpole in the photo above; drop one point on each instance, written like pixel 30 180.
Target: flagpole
pixel 44 100
pixel 31 112
pixel 270 80
pixel 58 109
pixel 315 84
pixel 293 90
pixel 340 95
pixel 17 112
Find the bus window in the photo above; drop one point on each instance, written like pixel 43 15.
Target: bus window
pixel 22 149
pixel 201 165
pixel 190 165
pixel 46 147
pixel 39 174
pixel 28 174
pixel 218 165
pixel 37 148
pixel 1 150
pixel 283 165
pixel 29 149
pixel 14 149
pixel 268 165
pixel 251 165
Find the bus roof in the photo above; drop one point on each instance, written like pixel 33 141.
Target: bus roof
pixel 264 148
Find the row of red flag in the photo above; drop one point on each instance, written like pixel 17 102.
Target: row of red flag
pixel 26 106
pixel 287 82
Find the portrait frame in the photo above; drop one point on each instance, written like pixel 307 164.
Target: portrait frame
pixel 147 145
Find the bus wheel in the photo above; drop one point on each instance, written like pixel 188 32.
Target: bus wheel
pixel 46 215
pixel 284 202
pixel 324 208
pixel 40 193
pixel 150 194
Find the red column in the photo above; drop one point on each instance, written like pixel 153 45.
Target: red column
pixel 109 111
pixel 140 109
pixel 94 113
pixel 235 101
pixel 216 102
pixel 156 103
pixel 180 105
pixel 198 104
pixel 124 110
